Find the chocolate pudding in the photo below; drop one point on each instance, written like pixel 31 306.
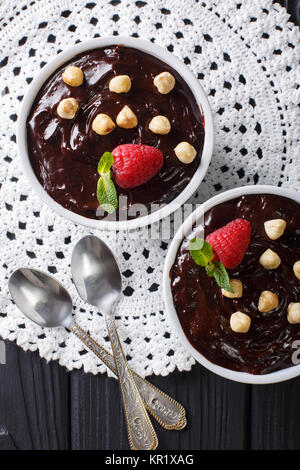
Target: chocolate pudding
pixel 64 153
pixel 204 312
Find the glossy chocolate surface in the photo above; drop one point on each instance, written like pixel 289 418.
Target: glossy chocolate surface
pixel 204 313
pixel 65 153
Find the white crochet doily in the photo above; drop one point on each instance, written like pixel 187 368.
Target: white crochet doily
pixel 245 54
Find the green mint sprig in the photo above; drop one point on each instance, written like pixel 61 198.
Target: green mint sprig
pixel 106 191
pixel 202 253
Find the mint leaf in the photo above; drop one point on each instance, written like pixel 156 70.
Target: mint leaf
pixel 106 191
pixel 210 269
pixel 201 251
pixel 221 276
pixel 105 163
pixel 107 194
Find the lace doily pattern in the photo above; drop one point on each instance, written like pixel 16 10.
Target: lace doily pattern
pixel 245 55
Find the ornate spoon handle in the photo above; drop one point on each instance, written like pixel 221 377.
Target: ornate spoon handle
pixel 168 412
pixel 140 430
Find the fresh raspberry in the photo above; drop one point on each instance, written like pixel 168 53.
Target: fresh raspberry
pixel 135 164
pixel 230 242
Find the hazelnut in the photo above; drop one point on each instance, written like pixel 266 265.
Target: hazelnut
pixel 237 288
pixel 293 313
pixel 73 76
pixel 67 108
pixel 275 228
pixel 160 125
pixel 185 152
pixel 120 84
pixel 296 269
pixel 103 124
pixel 240 322
pixel 126 118
pixel 164 82
pixel 267 301
pixel 270 260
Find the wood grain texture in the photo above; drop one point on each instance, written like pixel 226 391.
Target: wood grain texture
pixel 217 412
pixel 215 407
pixel 34 401
pixel 97 420
pixel 275 411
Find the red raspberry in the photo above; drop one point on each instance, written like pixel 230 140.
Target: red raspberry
pixel 135 164
pixel 230 242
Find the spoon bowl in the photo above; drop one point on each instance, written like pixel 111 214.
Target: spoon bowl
pixel 41 298
pixel 96 273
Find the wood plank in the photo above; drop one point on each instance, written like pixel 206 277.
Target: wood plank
pixel 275 420
pixel 97 420
pixel 34 403
pixel 217 411
pixel 216 408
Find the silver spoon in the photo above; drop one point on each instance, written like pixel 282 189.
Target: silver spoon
pixel 97 278
pixel 46 302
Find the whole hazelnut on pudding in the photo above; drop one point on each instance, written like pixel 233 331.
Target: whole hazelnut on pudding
pixel 267 301
pixel 126 118
pixel 270 260
pixel 67 108
pixel 185 152
pixel 164 82
pixel 293 313
pixel 275 228
pixel 160 125
pixel 120 84
pixel 240 322
pixel 103 124
pixel 237 288
pixel 73 76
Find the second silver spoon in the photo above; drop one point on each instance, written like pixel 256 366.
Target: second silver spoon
pixel 97 278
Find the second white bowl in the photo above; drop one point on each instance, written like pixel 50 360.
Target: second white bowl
pixel 185 229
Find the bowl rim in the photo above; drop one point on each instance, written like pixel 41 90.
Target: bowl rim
pixel 242 377
pixel 156 51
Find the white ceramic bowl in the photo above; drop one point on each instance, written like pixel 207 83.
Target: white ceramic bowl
pixel 186 227
pixel 161 54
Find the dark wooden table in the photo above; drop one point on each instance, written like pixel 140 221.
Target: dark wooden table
pixel 44 407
